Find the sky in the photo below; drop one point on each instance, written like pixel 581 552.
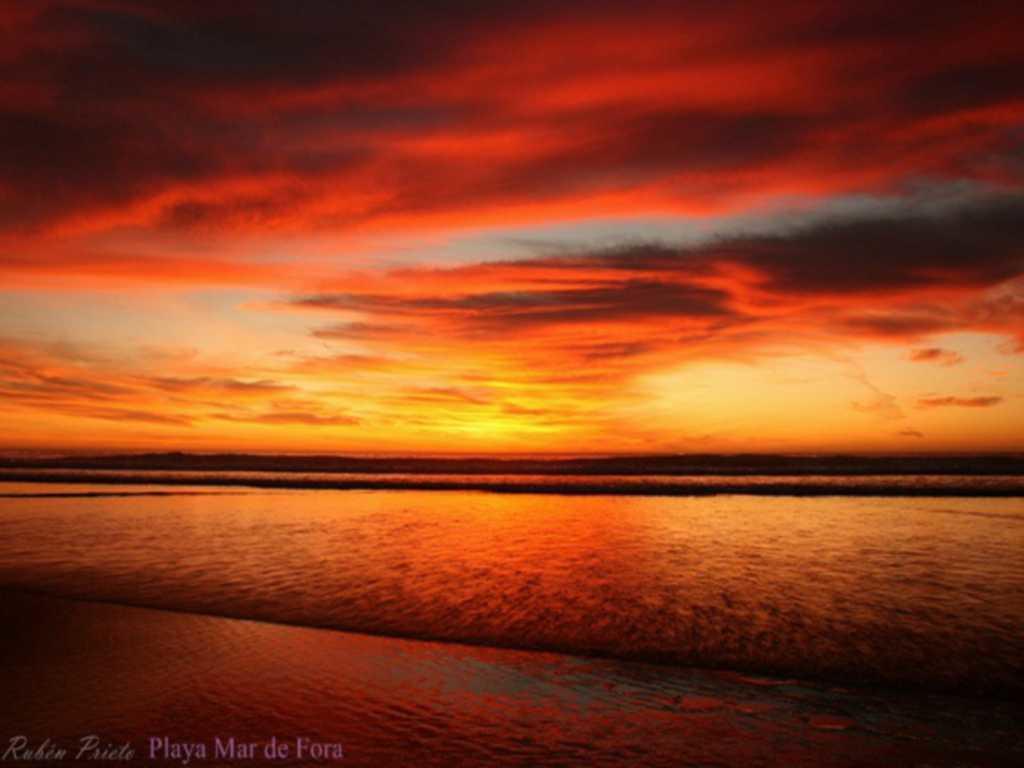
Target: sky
pixel 416 227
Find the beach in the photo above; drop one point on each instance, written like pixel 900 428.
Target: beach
pixel 131 675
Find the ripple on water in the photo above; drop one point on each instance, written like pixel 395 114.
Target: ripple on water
pixel 904 591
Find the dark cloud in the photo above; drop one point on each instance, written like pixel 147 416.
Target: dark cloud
pixel 901 273
pixel 61 164
pixel 128 102
pixel 621 151
pixel 975 85
pixel 272 41
pixel 615 350
pixel 260 210
pixel 973 244
pixel 631 300
pixel 896 325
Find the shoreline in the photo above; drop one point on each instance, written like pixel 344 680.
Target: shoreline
pixel 129 674
pixel 853 682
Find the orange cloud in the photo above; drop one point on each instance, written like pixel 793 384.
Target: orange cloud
pixel 959 402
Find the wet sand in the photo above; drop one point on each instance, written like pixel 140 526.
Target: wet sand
pixel 126 675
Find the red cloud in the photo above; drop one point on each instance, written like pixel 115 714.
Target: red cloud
pixel 258 122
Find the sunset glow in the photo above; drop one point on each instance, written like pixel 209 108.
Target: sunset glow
pixel 646 227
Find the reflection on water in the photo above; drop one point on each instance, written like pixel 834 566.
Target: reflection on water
pixel 923 591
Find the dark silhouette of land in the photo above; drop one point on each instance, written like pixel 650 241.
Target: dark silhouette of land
pixel 682 464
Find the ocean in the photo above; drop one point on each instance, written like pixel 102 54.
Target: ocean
pixel 477 627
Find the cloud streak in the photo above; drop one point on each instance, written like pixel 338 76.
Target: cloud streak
pixel 896 276
pixel 959 402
